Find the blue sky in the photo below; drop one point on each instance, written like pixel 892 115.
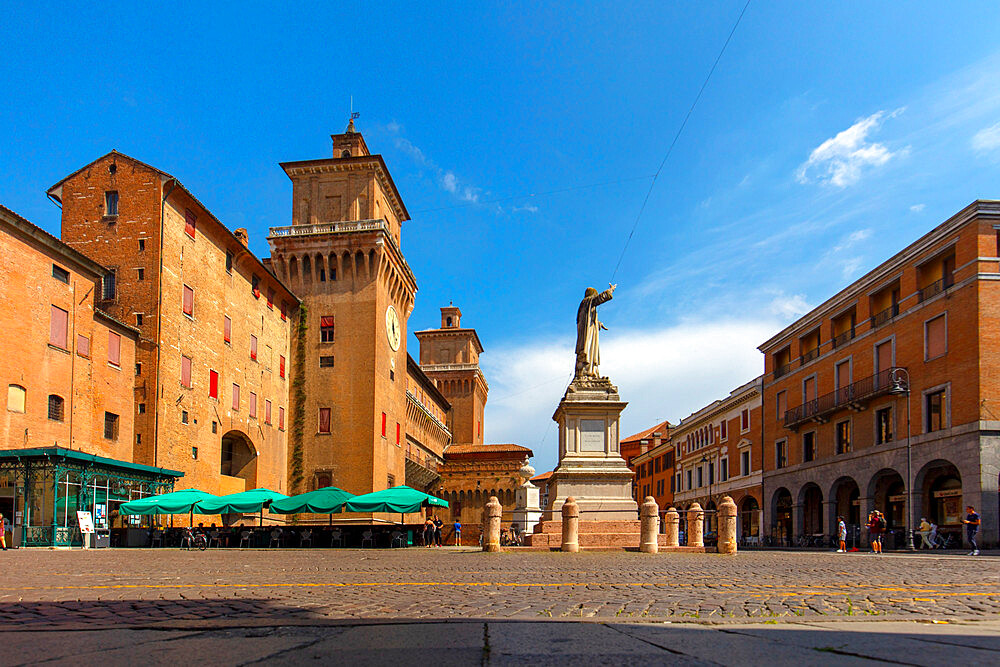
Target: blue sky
pixel 829 137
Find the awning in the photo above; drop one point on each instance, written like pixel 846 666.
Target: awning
pixel 178 502
pixel 397 499
pixel 253 500
pixel 321 501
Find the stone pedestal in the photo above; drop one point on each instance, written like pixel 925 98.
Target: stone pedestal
pixel 527 511
pixel 591 470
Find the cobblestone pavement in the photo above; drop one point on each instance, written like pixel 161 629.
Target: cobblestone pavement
pixel 179 589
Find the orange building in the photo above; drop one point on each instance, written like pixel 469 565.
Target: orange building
pixel 891 389
pixel 639 443
pixel 67 374
pixel 211 367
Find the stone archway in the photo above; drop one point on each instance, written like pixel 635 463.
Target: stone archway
pixel 239 458
pixel 749 523
pixel 846 496
pixel 781 510
pixel 811 500
pixel 940 486
pixel 888 492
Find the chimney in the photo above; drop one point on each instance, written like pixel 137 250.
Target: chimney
pixel 643 446
pixel 242 236
pixel 656 439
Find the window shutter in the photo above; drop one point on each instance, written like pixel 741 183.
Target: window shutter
pixel 253 404
pixel 270 298
pixel 281 366
pixel 937 340
pixel 58 326
pixel 227 329
pixel 188 300
pixel 253 347
pixel 267 412
pixel 83 345
pixel 190 221
pixel 324 420
pixel 236 396
pixel 326 321
pixel 186 371
pixel 883 354
pixel 281 419
pixel 213 384
pixel 114 349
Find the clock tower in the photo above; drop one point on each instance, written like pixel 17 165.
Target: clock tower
pixel 341 255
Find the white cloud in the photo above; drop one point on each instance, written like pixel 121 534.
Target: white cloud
pixel 840 160
pixel 852 239
pixel 789 307
pixel 987 139
pixel 530 208
pixel 917 208
pixel 446 178
pixel 663 373
pixel 850 267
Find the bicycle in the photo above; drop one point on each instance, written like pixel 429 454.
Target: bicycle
pixel 194 540
pixel 946 541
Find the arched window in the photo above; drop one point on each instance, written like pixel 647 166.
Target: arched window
pixel 15 398
pixel 56 407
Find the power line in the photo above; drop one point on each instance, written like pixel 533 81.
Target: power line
pixel 529 195
pixel 677 136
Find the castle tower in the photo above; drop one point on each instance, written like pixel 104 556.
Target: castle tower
pixel 342 256
pixel 450 357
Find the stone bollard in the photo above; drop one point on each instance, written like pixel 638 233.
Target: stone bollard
pixel 673 520
pixel 696 522
pixel 727 526
pixel 650 525
pixel 491 525
pixel 570 526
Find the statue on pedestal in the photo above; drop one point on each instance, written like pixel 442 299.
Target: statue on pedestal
pixel 588 327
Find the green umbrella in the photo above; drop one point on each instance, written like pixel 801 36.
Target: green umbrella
pixel 401 499
pixel 321 501
pixel 178 502
pixel 253 500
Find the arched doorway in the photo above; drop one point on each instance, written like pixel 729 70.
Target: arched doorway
pixel 239 458
pixel 888 492
pixel 749 517
pixel 781 510
pixel 847 502
pixel 811 499
pixel 941 486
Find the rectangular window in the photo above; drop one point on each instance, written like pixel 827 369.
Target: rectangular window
pixel 689 486
pixel 83 346
pixel 397 432
pixel 236 396
pixel 281 366
pixel 745 462
pixel 780 454
pixel 284 310
pixel 809 446
pixel 253 405
pixel 935 338
pixel 194 453
pixel 186 371
pixel 56 405
pixel 723 430
pixel 184 416
pixel 724 470
pixel 58 327
pixel 324 419
pixel 190 221
pixel 656 465
pixel 229 262
pixel 60 274
pixel 114 349
pixel 711 473
pixel 883 426
pixel 883 356
pixel 326 329
pixel 142 245
pixel 780 406
pixel 111 202
pixel 227 329
pixel 934 404
pixel 745 421
pixel 188 304
pixel 253 347
pixel 326 362
pixel 213 384
pixel 142 408
pixel 701 477
pixel 270 298
pixel 383 424
pixel 110 426
pixel 281 419
pixel 109 286
pixel 138 369
pixel 138 319
pixel 141 273
pixel 843 435
pixel 255 286
pixel 267 412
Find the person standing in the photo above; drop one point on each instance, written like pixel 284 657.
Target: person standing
pixel 429 532
pixel 457 528
pixel 972 522
pixel 438 525
pixel 3 531
pixel 875 528
pixel 841 535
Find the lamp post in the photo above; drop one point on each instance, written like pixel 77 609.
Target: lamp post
pixel 900 378
pixel 708 471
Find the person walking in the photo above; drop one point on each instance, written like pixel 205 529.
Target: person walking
pixel 934 536
pixel 924 532
pixel 3 531
pixel 457 529
pixel 841 535
pixel 972 522
pixel 438 525
pixel 876 525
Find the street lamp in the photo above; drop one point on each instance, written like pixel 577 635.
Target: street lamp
pixel 900 379
pixel 708 471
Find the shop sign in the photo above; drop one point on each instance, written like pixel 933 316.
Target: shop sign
pixel 86 522
pixel 948 493
pixel 897 499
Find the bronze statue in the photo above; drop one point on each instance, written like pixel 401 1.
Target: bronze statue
pixel 588 327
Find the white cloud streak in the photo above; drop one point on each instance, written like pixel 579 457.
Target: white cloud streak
pixel 841 160
pixel 986 139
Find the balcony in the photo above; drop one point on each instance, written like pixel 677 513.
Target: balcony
pixel 784 369
pixel 854 396
pixel 878 319
pixel 330 228
pixel 935 288
pixel 808 356
pixel 844 338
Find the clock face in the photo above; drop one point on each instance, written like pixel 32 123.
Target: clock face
pixel 393 331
